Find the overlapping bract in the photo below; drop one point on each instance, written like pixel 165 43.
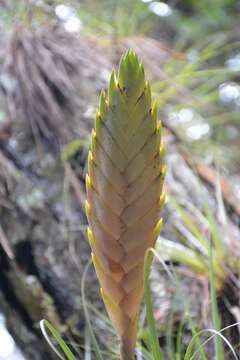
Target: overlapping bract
pixel 124 193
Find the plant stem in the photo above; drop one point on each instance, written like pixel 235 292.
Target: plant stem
pixel 125 352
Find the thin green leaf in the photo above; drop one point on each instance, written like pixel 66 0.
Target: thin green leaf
pixel 190 224
pixel 217 240
pixel 155 347
pixel 182 254
pixel 85 309
pixel 179 342
pixel 190 356
pixel 215 313
pixel 44 324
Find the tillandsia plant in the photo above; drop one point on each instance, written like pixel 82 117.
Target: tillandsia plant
pixel 124 194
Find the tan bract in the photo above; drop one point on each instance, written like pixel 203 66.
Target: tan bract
pixel 124 194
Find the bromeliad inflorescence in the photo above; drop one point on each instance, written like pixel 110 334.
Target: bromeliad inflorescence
pixel 124 194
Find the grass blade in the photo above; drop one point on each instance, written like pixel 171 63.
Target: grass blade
pixel 219 350
pixel 85 309
pixel 44 324
pixel 182 254
pixel 190 356
pixel 217 240
pixel 155 347
pixel 179 342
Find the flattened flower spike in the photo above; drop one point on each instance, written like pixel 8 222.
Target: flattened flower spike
pixel 124 194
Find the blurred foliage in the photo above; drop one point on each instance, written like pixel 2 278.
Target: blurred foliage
pixel 204 17
pixel 190 99
pixel 22 13
pixel 201 247
pixel 189 21
pixel 116 17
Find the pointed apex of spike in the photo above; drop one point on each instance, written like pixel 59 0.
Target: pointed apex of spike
pixel 129 59
pixel 130 52
pixel 132 56
pixel 131 77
